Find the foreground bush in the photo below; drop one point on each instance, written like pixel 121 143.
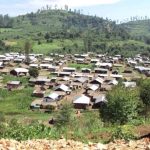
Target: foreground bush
pixel 125 132
pixel 145 94
pixel 122 105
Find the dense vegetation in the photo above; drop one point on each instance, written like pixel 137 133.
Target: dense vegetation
pixel 5 21
pixel 70 31
pixel 122 105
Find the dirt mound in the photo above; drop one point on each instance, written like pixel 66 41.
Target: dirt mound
pixel 63 144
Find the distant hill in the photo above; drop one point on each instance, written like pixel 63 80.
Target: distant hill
pixel 67 31
pixel 138 28
pixel 66 24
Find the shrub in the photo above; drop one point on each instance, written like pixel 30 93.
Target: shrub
pixel 122 105
pixel 2 117
pixel 145 93
pixel 64 116
pixel 125 132
pixel 34 72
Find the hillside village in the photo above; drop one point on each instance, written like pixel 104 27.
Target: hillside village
pixel 80 79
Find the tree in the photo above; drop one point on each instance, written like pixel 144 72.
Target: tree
pixel 27 48
pixel 145 94
pixel 47 36
pixel 34 72
pixel 122 105
pixel 64 116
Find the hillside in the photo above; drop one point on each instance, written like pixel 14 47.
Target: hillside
pixel 69 32
pixel 138 28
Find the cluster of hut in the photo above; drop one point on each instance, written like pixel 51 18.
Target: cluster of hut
pixel 85 88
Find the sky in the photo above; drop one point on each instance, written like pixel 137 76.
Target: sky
pixel 112 9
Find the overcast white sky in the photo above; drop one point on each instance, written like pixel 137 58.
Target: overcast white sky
pixel 113 9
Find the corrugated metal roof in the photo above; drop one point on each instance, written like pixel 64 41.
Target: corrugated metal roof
pixel 82 100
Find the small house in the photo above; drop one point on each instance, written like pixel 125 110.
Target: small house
pixel 81 80
pixel 33 65
pixel 42 80
pixel 81 102
pixel 38 93
pixel 100 101
pixel 45 66
pixel 116 76
pixel 63 74
pixel 63 88
pixel 13 85
pixel 97 80
pixel 93 87
pixel 1 65
pixel 36 104
pixel 69 69
pixel 104 65
pixel 85 70
pixel 19 71
pixel 52 97
pixel 129 84
pixel 101 70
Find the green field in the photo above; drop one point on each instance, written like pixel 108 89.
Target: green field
pixel 79 66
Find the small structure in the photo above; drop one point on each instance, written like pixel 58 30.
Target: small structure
pixel 69 69
pixel 45 66
pixel 99 101
pixel 63 88
pixel 36 104
pixel 81 102
pixel 13 85
pixel 1 65
pixel 81 80
pixel 33 65
pixel 41 80
pixel 101 70
pixel 116 76
pixel 104 65
pixel 52 97
pixel 85 70
pixel 113 82
pixel 93 87
pixel 97 80
pixel 38 93
pixel 19 71
pixel 129 84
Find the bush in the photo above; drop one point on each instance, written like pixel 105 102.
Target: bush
pixel 64 116
pixel 145 93
pixel 34 72
pixel 2 117
pixel 122 105
pixel 125 132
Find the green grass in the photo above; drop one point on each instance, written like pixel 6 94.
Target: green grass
pixel 79 66
pixel 15 102
pixel 45 48
pixel 7 30
pixel 7 78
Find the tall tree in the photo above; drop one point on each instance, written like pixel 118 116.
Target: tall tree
pixel 27 48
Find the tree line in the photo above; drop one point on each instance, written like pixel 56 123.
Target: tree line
pixel 5 21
